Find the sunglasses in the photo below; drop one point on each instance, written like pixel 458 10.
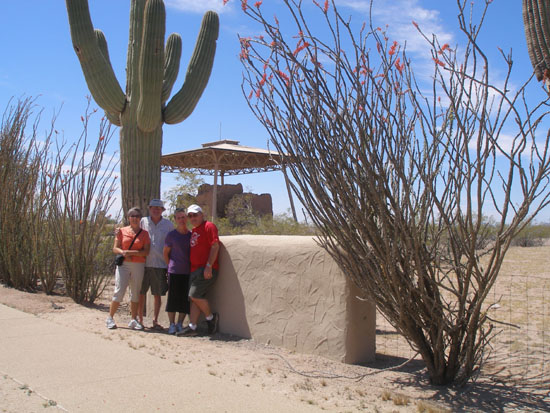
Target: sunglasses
pixel 134 216
pixel 191 215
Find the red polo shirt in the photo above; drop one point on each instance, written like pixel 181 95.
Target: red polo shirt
pixel 202 239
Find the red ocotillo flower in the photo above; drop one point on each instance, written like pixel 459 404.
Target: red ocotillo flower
pixel 443 48
pixel 284 75
pixel 439 62
pixel 392 48
pixel 399 66
pixel 300 48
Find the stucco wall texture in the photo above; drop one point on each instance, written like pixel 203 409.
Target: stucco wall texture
pixel 287 291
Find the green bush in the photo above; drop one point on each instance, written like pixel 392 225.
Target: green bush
pixel 280 224
pixel 240 213
pixel 533 235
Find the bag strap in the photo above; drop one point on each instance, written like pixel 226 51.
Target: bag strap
pixel 134 240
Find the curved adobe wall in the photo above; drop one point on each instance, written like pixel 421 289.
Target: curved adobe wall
pixel 287 291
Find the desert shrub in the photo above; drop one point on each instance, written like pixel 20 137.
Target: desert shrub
pixel 533 235
pixel 24 253
pixel 103 268
pixel 184 192
pixel 279 224
pixel 397 172
pixel 83 189
pixel 239 211
pixel 53 206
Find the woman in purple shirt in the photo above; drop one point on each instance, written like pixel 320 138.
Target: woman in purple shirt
pixel 176 255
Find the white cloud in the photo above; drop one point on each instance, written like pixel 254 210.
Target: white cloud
pixel 198 6
pixel 400 14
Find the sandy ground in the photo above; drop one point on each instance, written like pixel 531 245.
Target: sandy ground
pixel 382 386
pixel 17 397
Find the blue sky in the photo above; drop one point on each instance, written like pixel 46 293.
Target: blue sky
pixel 38 60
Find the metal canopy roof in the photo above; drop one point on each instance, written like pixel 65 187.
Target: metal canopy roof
pixel 226 157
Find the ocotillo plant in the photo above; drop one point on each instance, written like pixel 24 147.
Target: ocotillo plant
pixel 151 70
pixel 536 21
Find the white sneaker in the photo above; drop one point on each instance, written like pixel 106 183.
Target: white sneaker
pixel 135 325
pixel 172 329
pixel 110 323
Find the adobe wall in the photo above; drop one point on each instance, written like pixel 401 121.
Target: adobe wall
pixel 288 292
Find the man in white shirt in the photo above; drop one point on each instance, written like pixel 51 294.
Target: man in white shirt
pixel 155 267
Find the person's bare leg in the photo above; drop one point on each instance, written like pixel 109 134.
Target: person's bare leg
pixel 181 316
pixel 134 309
pixel 140 308
pixel 113 307
pixel 158 302
pixel 203 306
pixel 194 313
pixel 171 317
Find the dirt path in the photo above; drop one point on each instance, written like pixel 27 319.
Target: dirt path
pixel 308 382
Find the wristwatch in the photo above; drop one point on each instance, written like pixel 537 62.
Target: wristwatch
pixel 208 264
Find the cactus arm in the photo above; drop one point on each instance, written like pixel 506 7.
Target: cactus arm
pixel 114 118
pixel 98 73
pixel 137 10
pixel 102 44
pixel 198 72
pixel 151 66
pixel 537 34
pixel 172 56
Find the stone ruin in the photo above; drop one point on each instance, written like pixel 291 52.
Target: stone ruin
pixel 262 204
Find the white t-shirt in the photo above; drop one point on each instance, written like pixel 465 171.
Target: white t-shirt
pixel 157 233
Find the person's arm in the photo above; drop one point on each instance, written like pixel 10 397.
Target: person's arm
pixel 144 251
pixel 139 253
pixel 166 253
pixel 117 246
pixel 214 249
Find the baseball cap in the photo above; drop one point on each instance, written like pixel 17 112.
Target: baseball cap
pixel 194 209
pixel 156 203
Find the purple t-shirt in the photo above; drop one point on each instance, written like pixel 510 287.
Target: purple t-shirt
pixel 179 253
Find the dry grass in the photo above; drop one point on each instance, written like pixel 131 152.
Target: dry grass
pixel 519 305
pixel 398 399
pixel 513 379
pixel 423 406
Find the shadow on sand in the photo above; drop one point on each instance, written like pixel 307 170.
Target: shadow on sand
pixel 487 393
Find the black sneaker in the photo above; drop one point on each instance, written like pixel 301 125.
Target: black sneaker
pixel 187 332
pixel 213 324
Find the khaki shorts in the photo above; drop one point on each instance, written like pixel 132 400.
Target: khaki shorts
pixel 128 274
pixel 198 285
pixel 156 279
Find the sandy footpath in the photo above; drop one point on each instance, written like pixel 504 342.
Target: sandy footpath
pixel 306 383
pixel 223 373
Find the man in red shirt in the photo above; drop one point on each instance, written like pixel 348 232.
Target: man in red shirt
pixel 205 246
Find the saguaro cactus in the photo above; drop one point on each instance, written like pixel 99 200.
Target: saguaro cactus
pixel 536 21
pixel 151 70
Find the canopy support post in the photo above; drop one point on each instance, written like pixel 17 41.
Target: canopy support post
pixel 283 168
pixel 215 195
